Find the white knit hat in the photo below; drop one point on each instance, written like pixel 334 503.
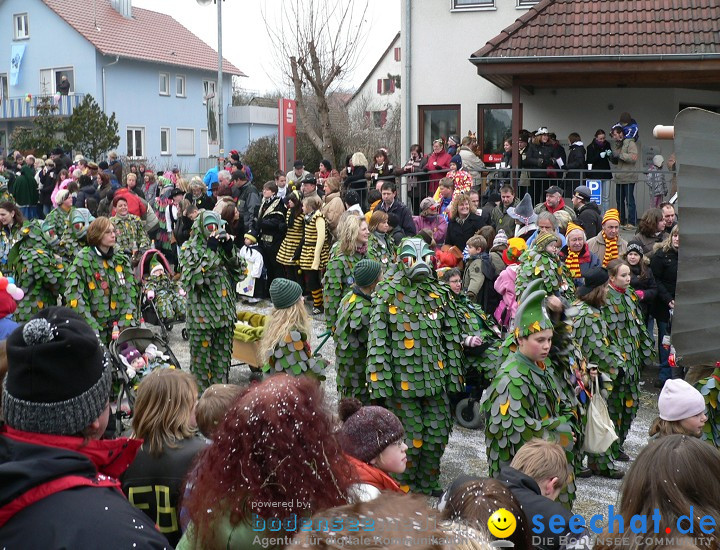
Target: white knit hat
pixel 679 400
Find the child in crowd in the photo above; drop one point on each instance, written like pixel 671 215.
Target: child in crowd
pixel 395 233
pixel 9 293
pixel 657 181
pixel 284 345
pixel 505 283
pixel 444 196
pixel 164 418
pixel 372 438
pixel 315 250
pixel 212 406
pixel 380 243
pixel 473 276
pixel 252 285
pixel 167 293
pixel 462 180
pixel 682 410
pixel 641 277
pixel 373 198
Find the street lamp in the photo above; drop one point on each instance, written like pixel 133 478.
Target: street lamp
pixel 219 90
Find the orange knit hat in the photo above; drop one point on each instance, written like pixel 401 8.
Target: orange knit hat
pixel 611 214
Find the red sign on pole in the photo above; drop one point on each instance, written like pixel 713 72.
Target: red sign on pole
pixel 287 129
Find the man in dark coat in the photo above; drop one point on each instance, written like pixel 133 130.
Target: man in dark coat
pixel 59 483
pixel 389 204
pixel 247 197
pixel 588 212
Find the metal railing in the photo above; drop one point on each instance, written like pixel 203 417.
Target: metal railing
pixel 27 106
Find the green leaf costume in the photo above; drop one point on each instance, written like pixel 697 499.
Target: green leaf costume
pixel 9 235
pixel 709 388
pixel 528 399
pixel 38 270
pixel 74 239
pixel 59 219
pixel 130 235
pixel 550 269
pixel 209 276
pixel 338 280
pixel 599 348
pixel 292 355
pixel 103 289
pixel 415 359
pixel 351 336
pixel 169 301
pixel 627 328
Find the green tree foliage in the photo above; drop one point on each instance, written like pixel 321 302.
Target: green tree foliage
pixel 262 156
pixel 90 131
pixel 47 132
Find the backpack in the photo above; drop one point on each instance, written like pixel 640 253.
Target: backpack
pixel 489 298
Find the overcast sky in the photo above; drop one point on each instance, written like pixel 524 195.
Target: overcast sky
pixel 246 43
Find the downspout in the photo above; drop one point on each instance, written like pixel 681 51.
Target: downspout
pixel 117 58
pixel 406 84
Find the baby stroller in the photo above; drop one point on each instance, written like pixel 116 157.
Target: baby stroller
pixel 149 307
pixel 124 382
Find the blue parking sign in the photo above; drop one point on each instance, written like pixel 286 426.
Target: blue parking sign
pixel 595 187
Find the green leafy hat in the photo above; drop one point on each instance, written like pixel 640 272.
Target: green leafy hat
pixel 531 316
pixel 533 286
pixel 366 272
pixel 284 293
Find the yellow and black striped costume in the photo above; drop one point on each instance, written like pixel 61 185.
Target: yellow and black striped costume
pixel 316 243
pixel 292 239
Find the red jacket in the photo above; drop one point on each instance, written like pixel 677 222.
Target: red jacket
pixel 135 205
pixel 367 473
pixel 443 163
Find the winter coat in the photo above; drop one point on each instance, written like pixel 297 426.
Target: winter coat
pixel 575 163
pixel 645 287
pixel 248 203
pixel 625 156
pixel 597 246
pixel 439 161
pixel 47 186
pixel 155 484
pixel 24 188
pixel 540 157
pixel 587 261
pixel 459 233
pixel 135 203
pixel 471 163
pixel 356 180
pixel 505 286
pixel 590 219
pixel 271 225
pixel 332 209
pixel 664 266
pixel 657 181
pixel 437 225
pixel 543 207
pixel 600 165
pixel 60 492
pixel 203 202
pixel 403 213
pixel 648 243
pixel 117 170
pixel 88 197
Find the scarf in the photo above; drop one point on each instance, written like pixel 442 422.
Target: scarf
pixel 362 249
pixel 620 290
pixel 559 207
pixel 611 250
pixel 367 473
pixel 573 263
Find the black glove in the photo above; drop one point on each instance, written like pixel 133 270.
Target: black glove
pixel 227 244
pixel 213 243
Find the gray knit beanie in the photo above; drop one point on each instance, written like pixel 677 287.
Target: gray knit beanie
pixel 59 376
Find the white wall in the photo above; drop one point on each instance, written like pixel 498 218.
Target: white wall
pixel 367 96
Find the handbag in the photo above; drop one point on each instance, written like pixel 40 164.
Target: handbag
pixel 599 432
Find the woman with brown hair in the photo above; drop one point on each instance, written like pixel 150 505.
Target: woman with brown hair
pixel 100 284
pixel 274 455
pixel 463 223
pixel 11 221
pixel 651 229
pixel 164 418
pixel 333 206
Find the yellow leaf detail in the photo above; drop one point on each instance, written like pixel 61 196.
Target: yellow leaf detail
pixel 352 298
pixel 433 295
pixel 105 264
pixel 205 343
pixel 392 310
pixel 224 293
pixel 73 303
pixel 113 305
pixel 441 364
pixel 417 443
pixel 374 377
pixel 128 316
pixel 629 402
pixel 409 343
pixel 119 268
pixel 535 327
pixel 405 386
pixel 40 304
pixel 504 407
pixel 538 270
pixel 91 285
pixel 405 488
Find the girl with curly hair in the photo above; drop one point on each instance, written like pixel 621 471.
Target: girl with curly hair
pixel 274 455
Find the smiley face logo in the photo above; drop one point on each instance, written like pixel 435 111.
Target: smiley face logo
pixel 502 524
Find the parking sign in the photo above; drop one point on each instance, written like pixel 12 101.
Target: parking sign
pixel 595 187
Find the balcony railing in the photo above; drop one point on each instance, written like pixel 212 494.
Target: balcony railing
pixel 19 108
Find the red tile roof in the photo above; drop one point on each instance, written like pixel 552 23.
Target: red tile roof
pixel 617 27
pixel 148 36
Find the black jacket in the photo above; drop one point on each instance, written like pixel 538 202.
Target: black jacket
pixel 164 475
pixel 458 234
pixel 248 201
pixel 646 284
pixel 590 219
pixel 526 490
pixel 47 185
pixel 92 516
pixel 664 266
pixel 203 202
pixel 404 216
pixel 600 166
pixel 88 197
pixel 271 224
pixel 575 165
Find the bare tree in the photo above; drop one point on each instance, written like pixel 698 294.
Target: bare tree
pixel 316 43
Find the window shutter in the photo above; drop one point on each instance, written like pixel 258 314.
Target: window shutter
pixel 383 118
pixel 379 86
pixel 397 54
pixel 392 85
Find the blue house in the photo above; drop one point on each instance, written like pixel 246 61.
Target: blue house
pixel 155 75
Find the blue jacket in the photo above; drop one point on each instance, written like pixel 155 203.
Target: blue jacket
pixel 7 325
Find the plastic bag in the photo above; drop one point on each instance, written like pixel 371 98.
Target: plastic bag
pixel 599 432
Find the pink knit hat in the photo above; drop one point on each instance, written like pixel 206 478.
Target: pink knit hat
pixel 679 400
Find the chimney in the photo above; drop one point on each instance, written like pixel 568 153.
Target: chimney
pixel 123 7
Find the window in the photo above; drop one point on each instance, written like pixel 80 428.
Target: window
pixel 164 141
pixel 51 81
pixel 385 85
pixel 20 26
pixel 208 90
pixel 526 3
pixel 185 141
pixel 164 84
pixel 4 86
pixel 135 142
pixel 437 121
pixel 396 54
pixel 379 119
pixel 494 127
pixel 180 85
pixel 472 4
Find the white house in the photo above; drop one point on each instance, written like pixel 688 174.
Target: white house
pixel 380 91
